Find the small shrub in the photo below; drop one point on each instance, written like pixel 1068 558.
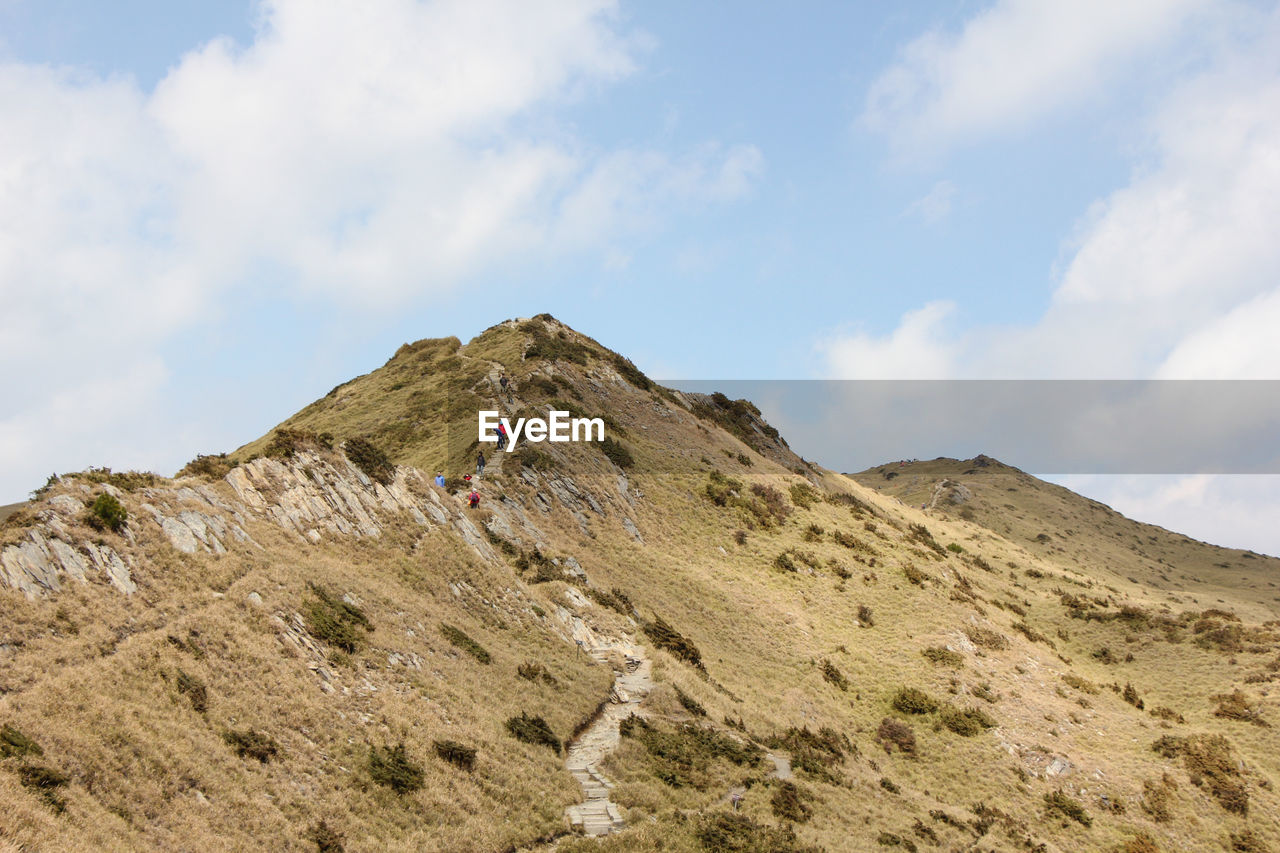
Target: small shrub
pixel 813 533
pixel 195 691
pixel 693 706
pixel 804 495
pixel 1237 706
pixel 895 733
pixel 1157 798
pixel 1104 654
pixel 1082 684
pixel 1208 760
pixel 334 620
pixel 1131 696
pixel 14 744
pixel 865 616
pixel 966 723
pixel 944 656
pixel 106 513
pixel 617 453
pixel 788 803
pixel 784 562
pixel 955 548
pixel 910 700
pixel 327 839
pixel 45 781
pixel 986 638
pixel 834 676
pixel 919 533
pixel 1164 712
pixel 251 743
pixel 890 839
pixel 666 637
pixel 1059 803
pixel 534 671
pixel 740 537
pixel 375 463
pixel 1140 843
pixel 457 754
pixel 392 767
pixel 465 643
pixel 814 753
pixel 213 467
pixel 1245 841
pixel 914 575
pixel 744 459
pixel 533 730
pixel 1032 634
pixel 732 832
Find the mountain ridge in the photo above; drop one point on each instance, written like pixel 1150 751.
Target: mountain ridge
pixel 305 640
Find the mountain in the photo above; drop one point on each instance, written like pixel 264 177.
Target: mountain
pixel 1072 531
pixel 682 638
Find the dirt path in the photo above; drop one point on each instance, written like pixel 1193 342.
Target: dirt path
pixel 597 815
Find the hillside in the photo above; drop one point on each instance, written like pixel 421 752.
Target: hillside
pixel 1073 531
pixel 686 640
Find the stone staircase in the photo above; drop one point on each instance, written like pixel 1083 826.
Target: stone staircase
pixel 597 815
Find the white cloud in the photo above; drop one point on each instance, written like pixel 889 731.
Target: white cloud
pixel 1176 274
pixel 917 349
pixel 1232 511
pixel 365 153
pixel 935 205
pixel 1013 63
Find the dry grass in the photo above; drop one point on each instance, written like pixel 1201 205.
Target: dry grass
pixel 92 677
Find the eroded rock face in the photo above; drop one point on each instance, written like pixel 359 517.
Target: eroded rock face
pixel 37 564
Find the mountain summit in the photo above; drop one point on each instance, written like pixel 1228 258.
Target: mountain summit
pixel 684 637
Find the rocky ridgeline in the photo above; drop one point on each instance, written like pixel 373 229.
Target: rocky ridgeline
pixel 311 495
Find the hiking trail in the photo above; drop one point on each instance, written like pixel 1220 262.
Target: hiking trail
pixel 597 815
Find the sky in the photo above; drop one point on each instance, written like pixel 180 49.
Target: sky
pixel 211 213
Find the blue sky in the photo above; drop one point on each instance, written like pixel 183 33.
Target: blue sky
pixel 215 212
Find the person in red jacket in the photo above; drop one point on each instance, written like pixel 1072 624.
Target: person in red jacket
pixel 473 499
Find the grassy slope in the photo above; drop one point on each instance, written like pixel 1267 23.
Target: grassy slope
pixel 137 752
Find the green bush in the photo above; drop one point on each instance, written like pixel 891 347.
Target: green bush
pixel 251 743
pixel 1059 803
pixel 376 465
pixel 693 706
pixel 732 832
pixel 462 641
pixel 910 700
pixel 106 513
pixel 804 495
pixel 534 671
pixel 943 655
pixel 666 637
pixel 681 756
pixel 617 454
pixel 213 466
pixel 533 730
pixel 967 722
pixel 788 803
pixel 631 373
pixel 392 767
pixel 834 676
pixel 195 691
pixel 14 744
pixel 45 781
pixel 455 753
pixel 335 621
pixel 327 839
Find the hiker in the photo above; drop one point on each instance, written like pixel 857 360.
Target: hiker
pixel 502 436
pixel 473 499
pixel 480 464
pixel 440 479
pixel 502 380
